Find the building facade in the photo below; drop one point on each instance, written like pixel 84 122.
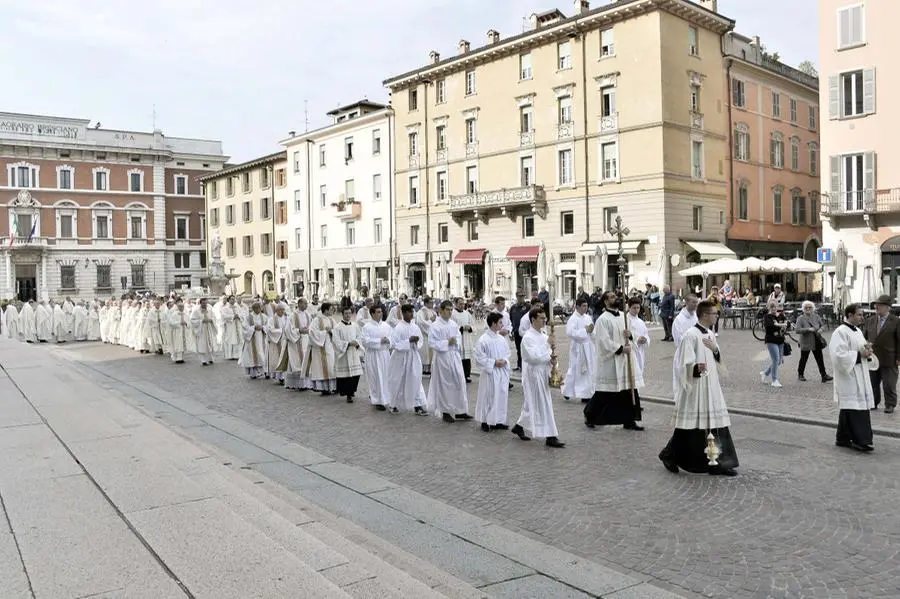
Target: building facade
pixel 341 218
pixel 861 205
pixel 773 163
pixel 87 212
pixel 518 156
pixel 246 208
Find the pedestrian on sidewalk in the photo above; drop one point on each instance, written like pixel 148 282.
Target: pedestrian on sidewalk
pixel 667 312
pixel 883 331
pixel 492 356
pixel 537 409
pixel 516 312
pixel 775 325
pixel 809 326
pixel 700 408
pixel 853 359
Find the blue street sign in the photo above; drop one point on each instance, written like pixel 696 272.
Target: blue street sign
pixel 823 255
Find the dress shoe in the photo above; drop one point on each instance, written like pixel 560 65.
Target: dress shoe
pixel 520 432
pixel 718 471
pixel 485 427
pixel 380 407
pixel 501 427
pixel 670 466
pixel 589 424
pixel 463 417
pixel 889 410
pixel 861 448
pixel 801 378
pixel 554 442
pixel 827 378
pixel 842 443
pixel 447 417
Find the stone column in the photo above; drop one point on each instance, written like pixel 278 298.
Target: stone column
pixel 45 293
pixel 9 281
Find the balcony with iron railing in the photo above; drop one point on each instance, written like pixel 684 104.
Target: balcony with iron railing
pixel 480 203
pixel 24 242
pixel 861 202
pixel 347 208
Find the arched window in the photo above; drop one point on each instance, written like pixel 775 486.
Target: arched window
pixel 742 142
pixel 776 150
pixel 743 200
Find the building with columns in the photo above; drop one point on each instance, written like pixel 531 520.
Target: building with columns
pixel 341 209
pixel 522 151
pixel 773 161
pixel 861 203
pixel 87 212
pixel 246 208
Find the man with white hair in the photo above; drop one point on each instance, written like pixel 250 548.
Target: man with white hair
pixel 777 295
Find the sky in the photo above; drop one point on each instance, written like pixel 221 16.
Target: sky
pixel 246 73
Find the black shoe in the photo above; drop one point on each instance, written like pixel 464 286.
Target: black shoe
pixel 468 380
pixel 395 411
pixel 448 418
pixel 566 398
pixel 510 385
pixel 350 399
pixel 554 442
pixel 589 424
pixel 420 411
pixel 463 417
pixel 500 427
pixel 801 378
pixel 485 427
pixel 670 466
pixel 719 471
pixel 842 443
pixel 520 432
pixel 380 407
pixel 861 448
pixel 826 378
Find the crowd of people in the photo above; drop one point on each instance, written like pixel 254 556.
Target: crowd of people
pixel 329 348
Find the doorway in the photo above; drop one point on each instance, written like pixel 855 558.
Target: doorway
pixel 416 278
pixel 473 280
pixel 26 282
pixel 526 279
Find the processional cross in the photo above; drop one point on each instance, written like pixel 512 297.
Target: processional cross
pixel 620 232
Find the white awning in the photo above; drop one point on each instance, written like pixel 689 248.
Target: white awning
pixel 711 250
pixel 629 248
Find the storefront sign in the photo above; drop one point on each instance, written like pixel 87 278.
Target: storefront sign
pixel 42 129
pixel 891 245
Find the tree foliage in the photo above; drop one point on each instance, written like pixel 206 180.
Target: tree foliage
pixel 809 68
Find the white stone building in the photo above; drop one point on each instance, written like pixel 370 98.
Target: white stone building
pixel 341 214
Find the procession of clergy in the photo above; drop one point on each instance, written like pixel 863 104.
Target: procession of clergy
pixel 305 349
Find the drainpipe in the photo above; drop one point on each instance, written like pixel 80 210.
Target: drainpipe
pixel 427 197
pixel 391 210
pixel 587 161
pixel 730 138
pixel 309 204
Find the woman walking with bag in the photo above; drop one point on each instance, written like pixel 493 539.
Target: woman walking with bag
pixel 775 324
pixel 809 326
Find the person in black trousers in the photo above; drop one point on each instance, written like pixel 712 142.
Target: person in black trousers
pixel 808 327
pixel 516 312
pixel 667 312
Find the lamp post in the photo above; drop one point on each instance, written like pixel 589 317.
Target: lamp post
pixel 272 244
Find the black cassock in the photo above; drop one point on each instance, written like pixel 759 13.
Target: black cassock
pixel 613 407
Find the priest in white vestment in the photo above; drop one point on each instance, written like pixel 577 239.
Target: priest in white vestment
pixel 579 383
pixel 93 329
pixel 425 317
pixel 320 364
pixel 537 409
pixel 232 329
pixel 253 350
pixel 61 329
pixel 700 408
pixel 616 376
pixel 79 322
pixel 298 354
pixel 347 355
pixel 405 390
pixel 853 358
pixel 276 344
pixel 11 322
pixel 376 336
pixel 179 330
pixel 447 394
pixel 203 325
pixel 27 322
pixel 104 321
pixel 640 334
pixel 154 327
pixel 68 310
pixel 491 353
pixel 44 322
pixel 463 319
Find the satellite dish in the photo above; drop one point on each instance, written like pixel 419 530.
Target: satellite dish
pixel 675 259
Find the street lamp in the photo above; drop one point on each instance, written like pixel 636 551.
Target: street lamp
pixel 272 244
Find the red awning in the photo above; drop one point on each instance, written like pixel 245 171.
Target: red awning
pixel 469 256
pixel 524 253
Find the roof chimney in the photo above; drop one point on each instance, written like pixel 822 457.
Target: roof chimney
pixel 711 5
pixel 463 47
pixel 756 41
pixel 493 36
pixel 533 21
pixel 435 56
pixel 582 6
pixel 292 133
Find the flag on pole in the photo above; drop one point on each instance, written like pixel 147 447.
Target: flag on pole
pixel 14 229
pixel 33 229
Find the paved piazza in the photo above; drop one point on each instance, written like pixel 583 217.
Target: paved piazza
pixel 804 519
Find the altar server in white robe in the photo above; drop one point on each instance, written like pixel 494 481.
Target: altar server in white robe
pixel 203 325
pixel 640 334
pixel 686 318
pixel 164 328
pixel 93 333
pixel 363 315
pixel 492 356
pixel 276 344
pixel 27 323
pixel 579 382
pixel 616 376
pixel 153 332
pixel 405 390
pixel 298 348
pixel 79 322
pixel 104 321
pixel 537 409
pixel 700 408
pixel 347 355
pixel 394 317
pixel 320 364
pixel 853 359
pixel 447 394
pixel 425 317
pixel 463 319
pixel 179 331
pixel 11 322
pixel 61 330
pixel 232 330
pixel 253 350
pixel 115 322
pixel 376 336
pixel 68 309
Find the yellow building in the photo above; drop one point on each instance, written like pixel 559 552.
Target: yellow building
pixel 246 209
pixel 537 142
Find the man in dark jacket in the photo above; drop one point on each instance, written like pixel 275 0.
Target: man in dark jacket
pixel 516 312
pixel 667 311
pixel 882 330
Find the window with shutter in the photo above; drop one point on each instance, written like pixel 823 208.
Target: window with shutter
pixel 851 26
pixel 868 91
pixel 869 179
pixel 834 168
pixel 834 97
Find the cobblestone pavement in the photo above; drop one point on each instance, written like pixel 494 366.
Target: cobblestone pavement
pixel 803 519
